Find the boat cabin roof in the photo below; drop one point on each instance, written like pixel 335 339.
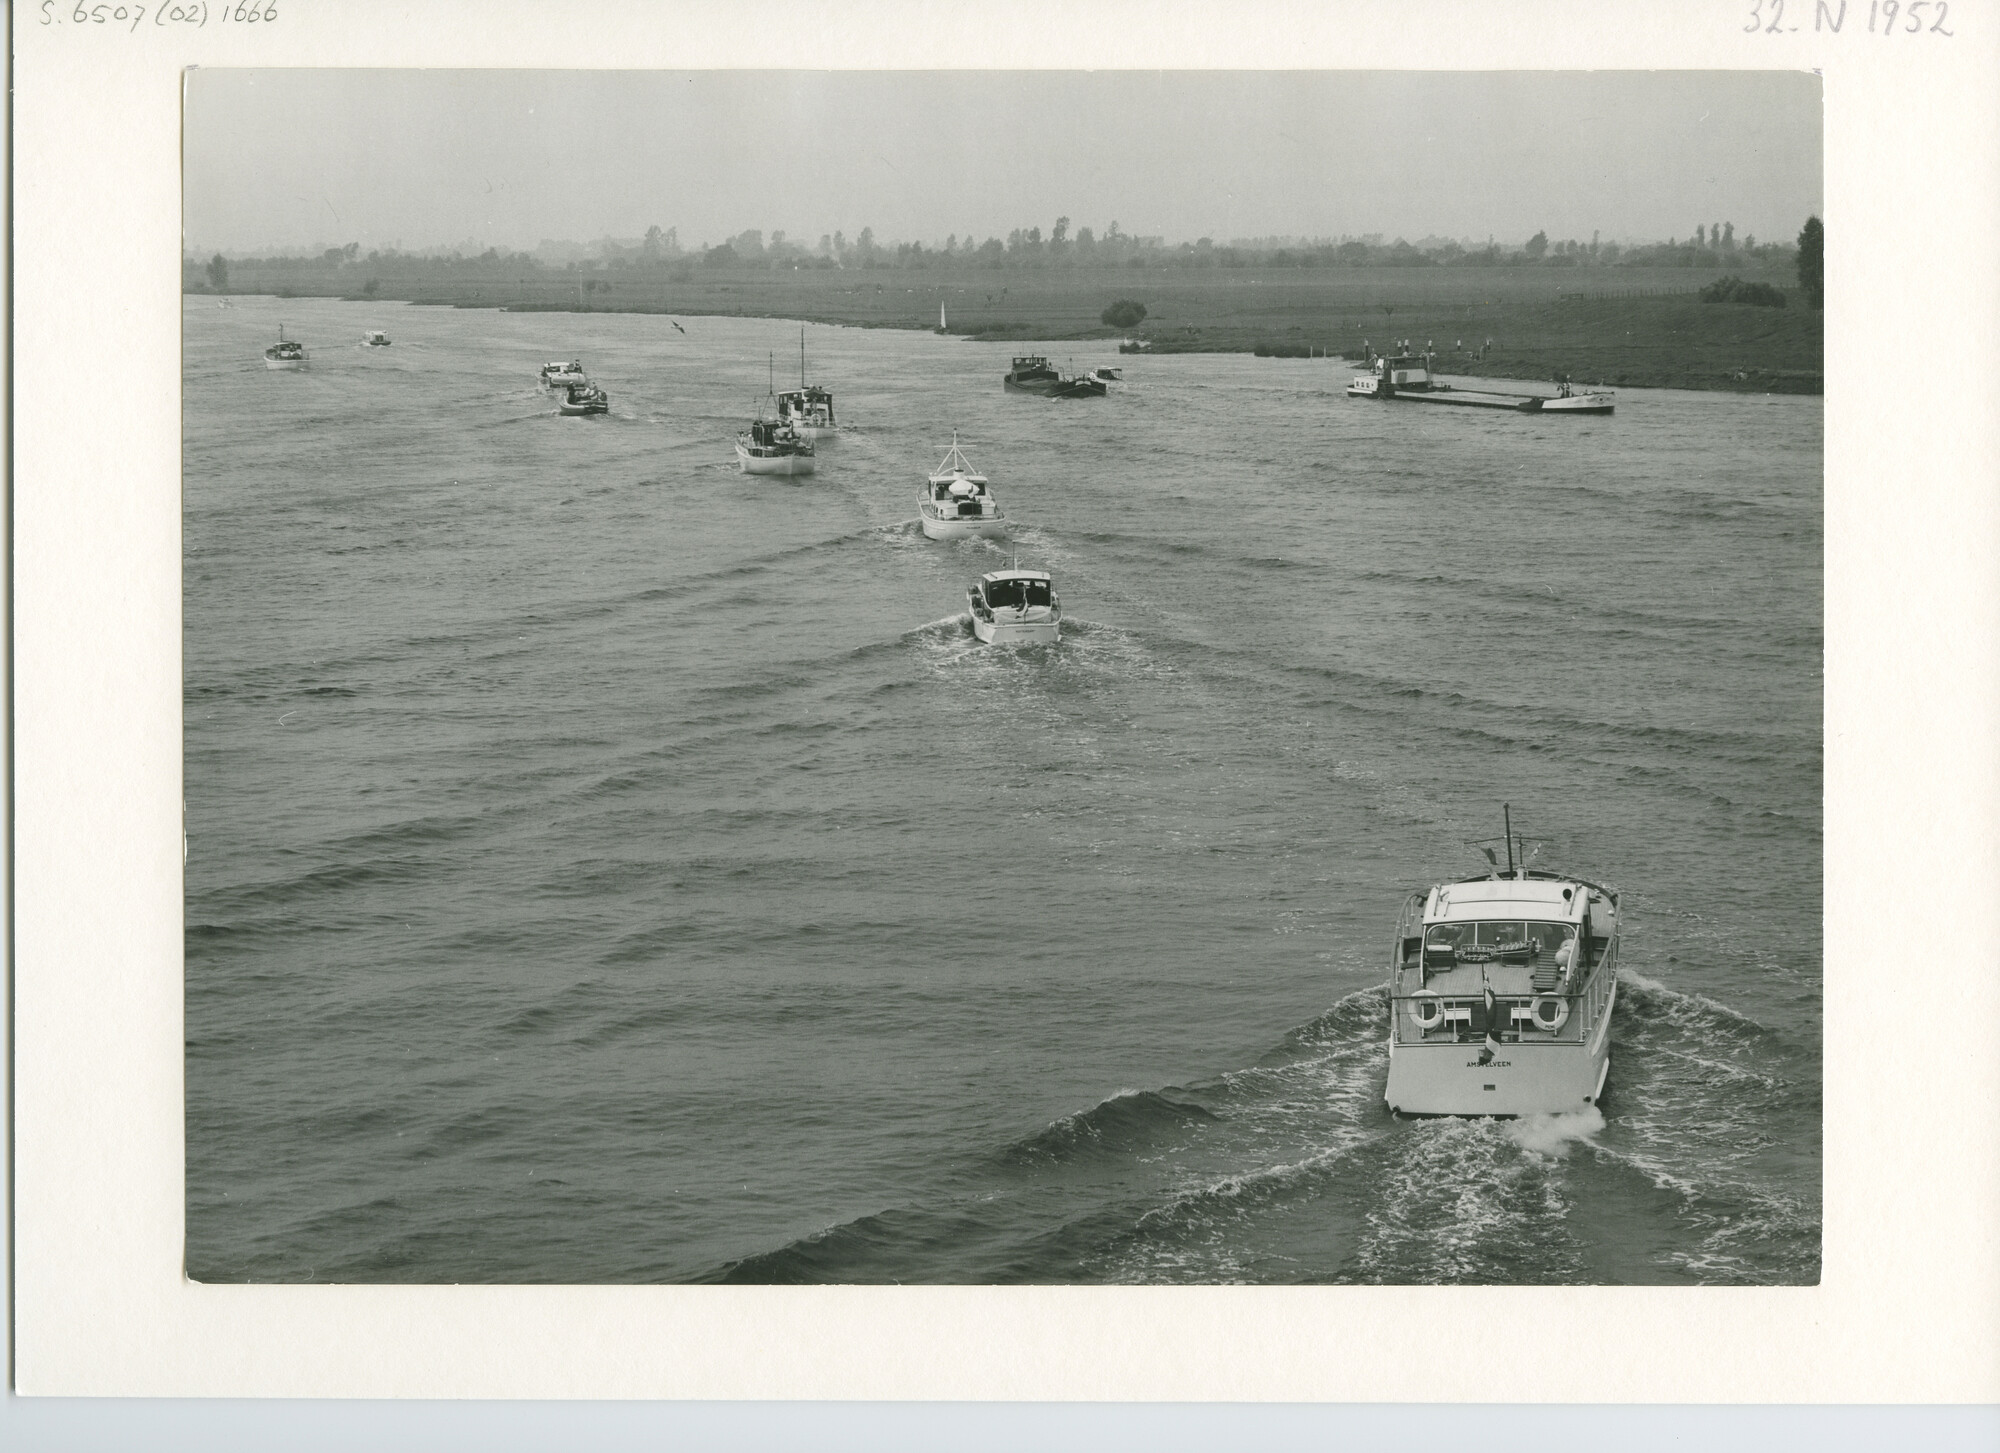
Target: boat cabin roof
pixel 1551 899
pixel 804 394
pixel 1029 360
pixel 993 577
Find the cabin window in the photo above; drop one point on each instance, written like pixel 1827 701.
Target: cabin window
pixel 1496 938
pixel 1549 937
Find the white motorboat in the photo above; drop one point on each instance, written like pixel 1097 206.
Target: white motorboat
pixel 808 410
pixel 285 353
pixel 957 501
pixel 1015 607
pixel 559 377
pixel 771 446
pixel 1108 375
pixel 1569 400
pixel 1500 994
pixel 375 338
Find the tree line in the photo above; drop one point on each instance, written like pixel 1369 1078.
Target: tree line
pixel 1711 246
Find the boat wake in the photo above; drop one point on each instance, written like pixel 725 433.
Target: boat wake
pixel 1292 1170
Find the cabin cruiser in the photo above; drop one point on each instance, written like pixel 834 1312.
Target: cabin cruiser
pixel 375 338
pixel 1015 607
pixel 809 411
pixel 771 446
pixel 1032 374
pixel 559 375
pixel 1107 375
pixel 285 353
pixel 956 501
pixel 584 398
pixel 1500 994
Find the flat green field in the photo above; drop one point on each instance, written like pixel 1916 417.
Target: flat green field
pixel 1640 327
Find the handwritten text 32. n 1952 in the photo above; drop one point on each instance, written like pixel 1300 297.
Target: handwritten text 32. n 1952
pixel 195 14
pixel 1830 17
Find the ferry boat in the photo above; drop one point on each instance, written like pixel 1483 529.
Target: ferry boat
pixel 1500 994
pixel 375 338
pixel 285 353
pixel 1015 607
pixel 1409 377
pixel 584 398
pixel 771 446
pixel 1032 374
pixel 559 376
pixel 956 502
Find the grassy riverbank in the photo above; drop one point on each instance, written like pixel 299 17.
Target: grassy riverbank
pixel 1637 327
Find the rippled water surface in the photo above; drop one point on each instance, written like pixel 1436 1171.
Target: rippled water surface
pixel 604 866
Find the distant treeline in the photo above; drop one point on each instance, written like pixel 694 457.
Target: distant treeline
pixel 1713 246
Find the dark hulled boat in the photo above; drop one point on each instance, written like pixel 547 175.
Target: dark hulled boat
pixel 1032 374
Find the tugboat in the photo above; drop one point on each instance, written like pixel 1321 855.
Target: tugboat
pixel 285 353
pixel 771 446
pixel 559 376
pixel 956 502
pixel 1500 993
pixel 1015 607
pixel 1032 374
pixel 375 338
pixel 584 398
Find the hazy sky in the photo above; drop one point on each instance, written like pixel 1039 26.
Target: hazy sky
pixel 507 158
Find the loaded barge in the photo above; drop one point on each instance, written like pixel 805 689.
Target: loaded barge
pixel 1409 376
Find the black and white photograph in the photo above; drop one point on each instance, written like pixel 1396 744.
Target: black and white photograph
pixel 1003 678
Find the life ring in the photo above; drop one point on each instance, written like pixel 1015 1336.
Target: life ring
pixel 1426 1000
pixel 1551 1012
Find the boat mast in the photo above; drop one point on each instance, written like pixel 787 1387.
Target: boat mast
pixel 802 356
pixel 1507 816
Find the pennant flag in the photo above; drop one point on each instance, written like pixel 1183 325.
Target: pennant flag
pixel 1492 1046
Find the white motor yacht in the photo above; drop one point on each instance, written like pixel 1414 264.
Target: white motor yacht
pixel 1500 994
pixel 1015 607
pixel 285 353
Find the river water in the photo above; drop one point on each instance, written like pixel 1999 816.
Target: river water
pixel 604 866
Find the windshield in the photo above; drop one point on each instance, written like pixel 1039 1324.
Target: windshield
pixel 1505 938
pixel 1017 592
